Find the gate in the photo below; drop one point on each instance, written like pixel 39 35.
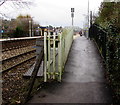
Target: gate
pixel 56 50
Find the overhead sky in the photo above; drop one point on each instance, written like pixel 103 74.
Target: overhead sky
pixel 54 12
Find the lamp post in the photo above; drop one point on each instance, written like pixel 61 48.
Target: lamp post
pixel 72 14
pixel 30 31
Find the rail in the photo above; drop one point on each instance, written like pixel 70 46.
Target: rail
pixel 16 51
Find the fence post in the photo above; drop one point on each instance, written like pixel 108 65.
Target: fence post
pixel 48 67
pixel 54 54
pixel 63 50
pixel 59 56
pixel 45 58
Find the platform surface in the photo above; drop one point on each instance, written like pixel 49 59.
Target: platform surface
pixel 83 80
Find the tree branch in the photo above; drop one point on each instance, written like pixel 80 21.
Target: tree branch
pixel 3 2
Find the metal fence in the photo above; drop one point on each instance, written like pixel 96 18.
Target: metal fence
pixel 99 35
pixel 108 42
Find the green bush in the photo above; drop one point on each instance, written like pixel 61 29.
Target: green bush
pixel 18 32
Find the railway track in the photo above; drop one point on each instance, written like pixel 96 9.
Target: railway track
pixel 14 61
pixel 18 55
pixel 16 52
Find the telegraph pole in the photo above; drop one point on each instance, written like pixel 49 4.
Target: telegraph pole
pixel 88 14
pixel 72 14
pixel 90 18
pixel 88 21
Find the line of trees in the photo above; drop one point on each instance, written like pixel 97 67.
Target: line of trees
pixel 109 14
pixel 19 27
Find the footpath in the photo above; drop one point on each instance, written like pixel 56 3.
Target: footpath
pixel 83 80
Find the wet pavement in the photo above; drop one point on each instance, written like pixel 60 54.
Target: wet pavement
pixel 83 80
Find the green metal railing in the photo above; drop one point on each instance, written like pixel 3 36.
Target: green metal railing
pixel 56 50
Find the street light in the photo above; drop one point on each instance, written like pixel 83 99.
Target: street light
pixel 30 31
pixel 31 27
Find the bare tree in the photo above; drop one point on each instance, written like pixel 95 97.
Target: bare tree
pixel 2 2
pixel 13 5
pixel 16 2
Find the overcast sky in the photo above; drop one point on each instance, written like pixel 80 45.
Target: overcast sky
pixel 54 12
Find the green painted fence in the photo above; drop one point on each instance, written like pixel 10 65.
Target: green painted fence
pixel 56 50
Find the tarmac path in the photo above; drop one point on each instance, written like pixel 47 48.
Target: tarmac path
pixel 83 80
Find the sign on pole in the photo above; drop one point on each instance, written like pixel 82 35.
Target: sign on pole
pixel 72 14
pixel 72 9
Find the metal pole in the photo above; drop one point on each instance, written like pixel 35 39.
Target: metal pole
pixel 0 27
pixel 32 28
pixel 88 14
pixel 90 18
pixel 72 21
pixel 88 21
pixel 29 28
pixel 72 14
